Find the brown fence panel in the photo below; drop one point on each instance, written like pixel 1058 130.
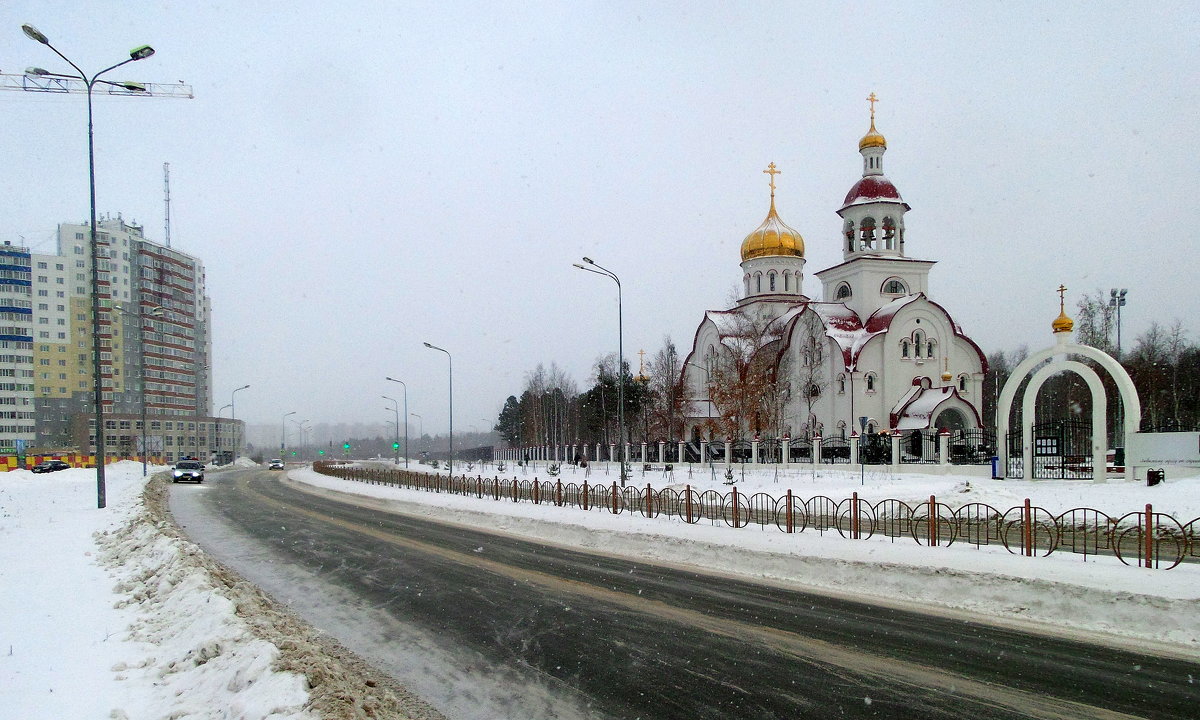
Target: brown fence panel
pixel 1029 531
pixel 760 510
pixel 790 515
pixel 822 513
pixel 712 505
pixel 1085 531
pixel 979 524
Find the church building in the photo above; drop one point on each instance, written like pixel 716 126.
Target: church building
pixel 872 352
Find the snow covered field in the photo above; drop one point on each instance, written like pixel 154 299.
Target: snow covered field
pixel 110 613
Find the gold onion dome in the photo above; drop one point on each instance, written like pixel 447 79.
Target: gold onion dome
pixel 872 138
pixel 773 237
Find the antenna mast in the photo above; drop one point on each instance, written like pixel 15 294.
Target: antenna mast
pixel 167 201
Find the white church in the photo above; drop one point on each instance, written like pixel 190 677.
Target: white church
pixel 873 353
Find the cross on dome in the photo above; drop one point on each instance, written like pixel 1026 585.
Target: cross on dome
pixel 772 172
pixel 872 99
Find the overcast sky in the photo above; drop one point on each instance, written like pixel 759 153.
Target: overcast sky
pixel 360 178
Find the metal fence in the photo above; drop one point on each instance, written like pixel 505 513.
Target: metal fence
pixel 1143 538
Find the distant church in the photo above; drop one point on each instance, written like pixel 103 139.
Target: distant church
pixel 873 353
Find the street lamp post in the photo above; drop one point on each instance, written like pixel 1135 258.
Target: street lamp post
pixel 396 408
pixel 592 267
pixel 1116 299
pixel 138 53
pixel 451 359
pixel 300 429
pixel 219 413
pixel 283 434
pixel 405 388
pixel 237 439
pixel 420 425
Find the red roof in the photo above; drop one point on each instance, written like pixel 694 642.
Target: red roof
pixel 872 188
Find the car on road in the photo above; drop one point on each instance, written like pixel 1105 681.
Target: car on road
pixel 191 470
pixel 275 464
pixel 50 466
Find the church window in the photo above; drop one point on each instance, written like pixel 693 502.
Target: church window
pixel 841 384
pixel 814 390
pixel 841 427
pixel 843 292
pixel 870 382
pixel 771 281
pixel 894 287
pixel 929 348
pixel 903 348
pixel 758 283
pixel 747 279
pixel 962 383
pixel 849 232
pixel 867 233
pixel 787 282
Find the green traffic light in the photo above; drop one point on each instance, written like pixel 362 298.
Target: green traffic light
pixel 345 446
pixel 320 452
pixel 293 452
pixel 395 446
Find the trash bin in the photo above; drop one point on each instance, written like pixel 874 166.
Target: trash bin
pixel 1154 477
pixel 995 467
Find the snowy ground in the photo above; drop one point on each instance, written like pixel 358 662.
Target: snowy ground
pixel 110 613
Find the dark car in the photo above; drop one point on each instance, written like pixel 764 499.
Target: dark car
pixel 50 466
pixel 191 470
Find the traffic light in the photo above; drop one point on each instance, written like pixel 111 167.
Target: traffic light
pixel 293 452
pixel 320 452
pixel 395 446
pixel 346 446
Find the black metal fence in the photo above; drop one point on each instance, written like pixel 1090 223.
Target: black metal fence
pixel 1143 538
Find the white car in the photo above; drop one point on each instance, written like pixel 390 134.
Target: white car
pixel 275 464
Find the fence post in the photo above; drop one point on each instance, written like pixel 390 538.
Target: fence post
pixel 585 495
pixel 790 526
pixel 479 487
pixel 535 493
pixel 649 502
pixel 514 489
pixel 558 493
pixel 854 516
pixel 735 507
pixel 932 521
pixel 688 502
pixel 614 497
pixel 1027 535
pixel 1149 535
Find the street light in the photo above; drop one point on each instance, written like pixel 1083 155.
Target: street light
pixel 237 439
pixel 155 311
pixel 1116 299
pixel 420 425
pixel 283 434
pixel 405 387
pixel 300 429
pixel 592 267
pixel 396 408
pixel 451 358
pixel 138 53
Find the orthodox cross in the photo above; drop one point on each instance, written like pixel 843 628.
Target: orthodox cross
pixel 1061 292
pixel 872 99
pixel 772 172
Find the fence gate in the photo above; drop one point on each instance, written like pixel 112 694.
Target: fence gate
pixel 1062 449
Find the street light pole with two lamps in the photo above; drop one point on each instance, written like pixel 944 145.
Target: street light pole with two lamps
pixel 138 53
pixel 283 434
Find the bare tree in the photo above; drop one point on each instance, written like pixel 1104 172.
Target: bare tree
pixel 1095 323
pixel 743 383
pixel 666 392
pixel 813 347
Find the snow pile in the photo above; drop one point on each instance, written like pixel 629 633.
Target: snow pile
pixel 178 637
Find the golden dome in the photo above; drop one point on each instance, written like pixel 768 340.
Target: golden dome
pixel 872 138
pixel 773 237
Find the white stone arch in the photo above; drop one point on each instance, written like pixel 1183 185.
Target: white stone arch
pixel 1125 387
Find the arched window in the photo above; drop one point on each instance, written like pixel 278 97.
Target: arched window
pixel 962 383
pixel 849 232
pixel 842 292
pixel 867 233
pixel 919 341
pixel 904 348
pixel 841 384
pixel 894 286
pixel 871 427
pixel 889 233
pixel 771 281
pixel 787 281
pixel 929 347
pixel 747 281
pixel 870 382
pixel 758 282
pixel 841 428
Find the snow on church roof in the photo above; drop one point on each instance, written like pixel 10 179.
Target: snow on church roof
pixel 845 328
pixel 919 413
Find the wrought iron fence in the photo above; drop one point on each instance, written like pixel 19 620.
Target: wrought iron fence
pixel 1143 538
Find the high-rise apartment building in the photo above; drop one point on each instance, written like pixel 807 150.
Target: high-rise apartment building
pixel 155 338
pixel 16 350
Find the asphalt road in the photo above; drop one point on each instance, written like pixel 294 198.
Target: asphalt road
pixel 577 634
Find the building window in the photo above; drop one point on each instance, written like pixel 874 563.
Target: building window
pixel 771 281
pixel 894 287
pixel 843 292
pixel 904 348
pixel 870 382
pixel 841 384
pixel 962 383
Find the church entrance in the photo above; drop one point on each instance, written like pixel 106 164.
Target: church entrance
pixel 950 419
pixel 1061 451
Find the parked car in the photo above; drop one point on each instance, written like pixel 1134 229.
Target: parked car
pixel 192 470
pixel 50 466
pixel 275 464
